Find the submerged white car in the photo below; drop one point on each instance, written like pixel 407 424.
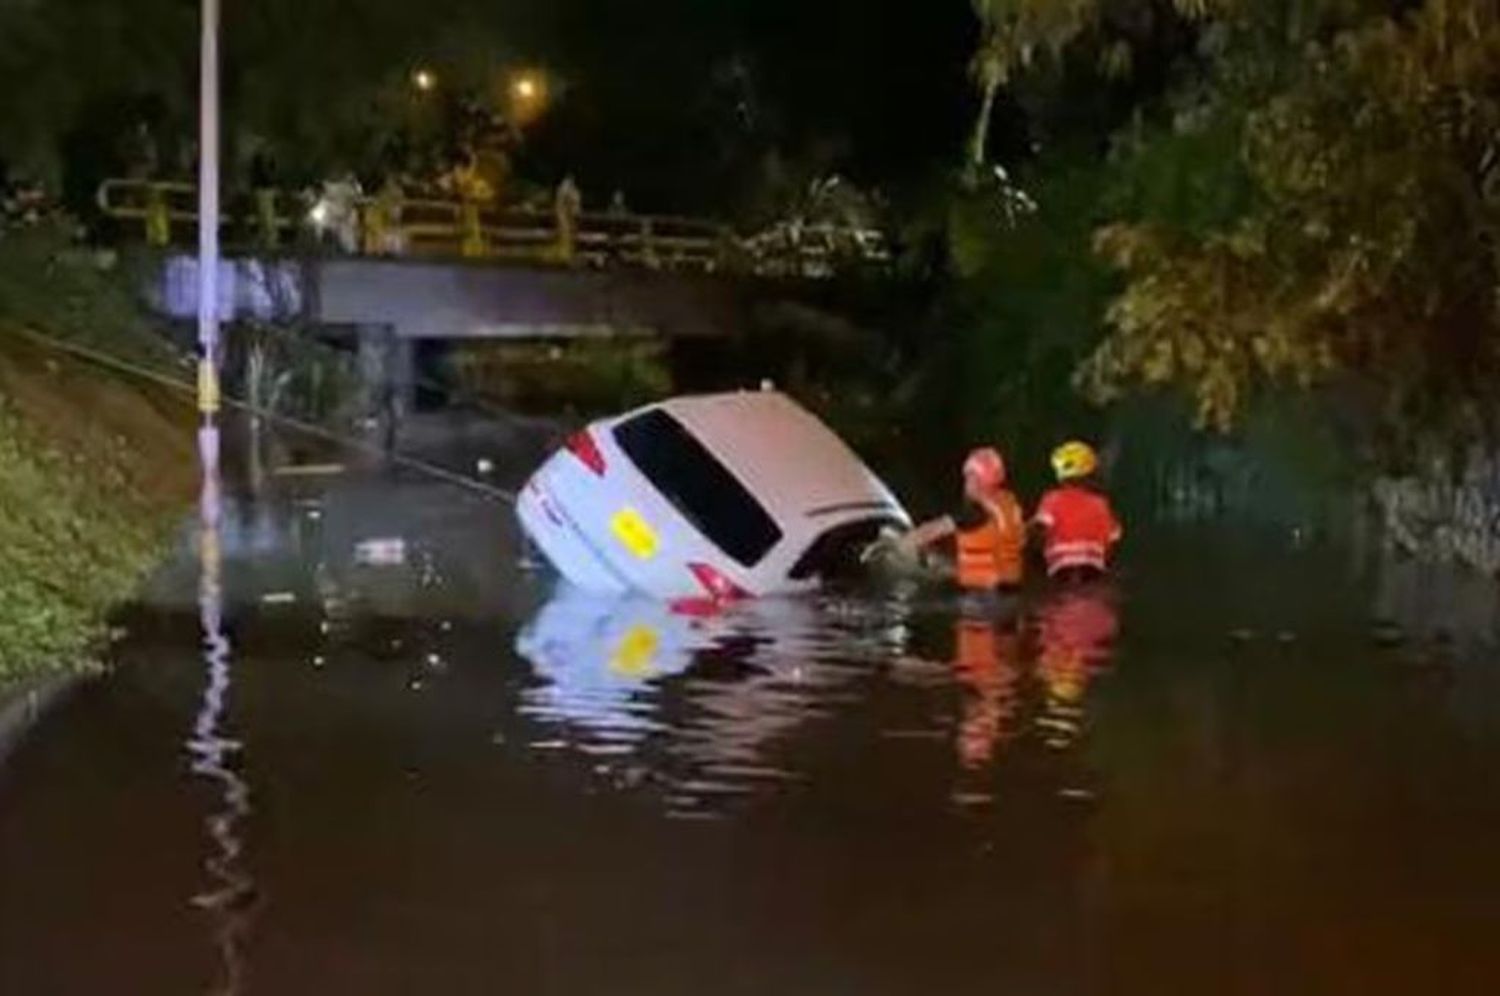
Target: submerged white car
pixel 715 496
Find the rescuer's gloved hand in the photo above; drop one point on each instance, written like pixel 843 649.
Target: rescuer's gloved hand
pixel 882 546
pixel 891 554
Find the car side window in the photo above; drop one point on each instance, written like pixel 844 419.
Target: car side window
pixel 698 485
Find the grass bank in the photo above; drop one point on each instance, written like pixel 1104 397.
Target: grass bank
pixel 96 470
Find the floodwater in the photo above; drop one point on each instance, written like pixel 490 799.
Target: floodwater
pixel 413 766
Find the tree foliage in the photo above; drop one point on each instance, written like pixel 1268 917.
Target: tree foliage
pixel 1021 38
pixel 62 61
pixel 316 83
pixel 1367 249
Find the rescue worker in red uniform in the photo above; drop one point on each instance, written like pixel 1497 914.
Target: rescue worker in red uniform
pixel 989 532
pixel 1079 528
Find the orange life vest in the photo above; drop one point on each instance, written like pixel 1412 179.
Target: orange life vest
pixel 990 555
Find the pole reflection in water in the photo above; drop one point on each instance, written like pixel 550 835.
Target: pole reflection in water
pixel 230 891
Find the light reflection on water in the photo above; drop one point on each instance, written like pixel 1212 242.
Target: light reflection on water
pixel 216 756
pixel 710 710
pixel 467 781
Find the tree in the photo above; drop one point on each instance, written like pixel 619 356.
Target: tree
pixel 1369 247
pixel 1020 38
pixel 308 81
pixel 63 62
pixel 1013 35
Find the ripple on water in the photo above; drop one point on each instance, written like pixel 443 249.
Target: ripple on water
pixel 729 709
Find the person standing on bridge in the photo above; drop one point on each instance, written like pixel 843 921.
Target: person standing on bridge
pixel 382 220
pixel 263 189
pixel 567 205
pixel 337 211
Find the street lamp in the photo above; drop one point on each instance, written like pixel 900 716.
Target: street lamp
pixel 424 80
pixel 527 94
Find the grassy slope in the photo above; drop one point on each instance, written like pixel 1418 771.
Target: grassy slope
pixel 95 472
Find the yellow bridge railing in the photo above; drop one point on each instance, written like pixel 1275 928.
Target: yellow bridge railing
pixel 380 225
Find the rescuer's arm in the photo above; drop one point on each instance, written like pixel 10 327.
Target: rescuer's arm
pixel 930 532
pixel 1043 520
pixel 1116 531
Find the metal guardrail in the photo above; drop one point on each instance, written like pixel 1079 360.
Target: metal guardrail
pixel 402 227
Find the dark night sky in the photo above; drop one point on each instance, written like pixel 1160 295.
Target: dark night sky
pixel 679 103
pixel 654 88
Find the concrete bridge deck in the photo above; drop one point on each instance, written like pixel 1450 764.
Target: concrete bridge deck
pixel 432 299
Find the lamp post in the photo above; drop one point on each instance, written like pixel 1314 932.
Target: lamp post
pixel 210 749
pixel 208 213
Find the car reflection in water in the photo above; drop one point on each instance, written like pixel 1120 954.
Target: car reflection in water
pixel 703 707
pixel 713 709
pixel 598 654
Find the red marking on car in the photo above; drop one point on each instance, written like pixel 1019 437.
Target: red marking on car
pixel 719 588
pixel 582 445
pixel 696 608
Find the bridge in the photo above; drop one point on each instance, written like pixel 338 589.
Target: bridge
pixel 164 214
pixel 388 271
pixel 457 269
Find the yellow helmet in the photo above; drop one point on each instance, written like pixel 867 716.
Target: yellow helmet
pixel 1073 460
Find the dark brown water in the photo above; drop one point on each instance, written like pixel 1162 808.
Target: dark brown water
pixel 1242 768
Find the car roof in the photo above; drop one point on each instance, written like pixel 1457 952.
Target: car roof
pixel 794 464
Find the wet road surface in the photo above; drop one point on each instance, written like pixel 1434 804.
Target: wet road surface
pixel 1261 770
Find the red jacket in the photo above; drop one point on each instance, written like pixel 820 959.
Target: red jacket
pixel 1080 528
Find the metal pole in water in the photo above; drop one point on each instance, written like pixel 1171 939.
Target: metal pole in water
pixel 208 212
pixel 228 894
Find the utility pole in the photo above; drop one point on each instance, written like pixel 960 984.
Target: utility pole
pixel 208 212
pixel 211 750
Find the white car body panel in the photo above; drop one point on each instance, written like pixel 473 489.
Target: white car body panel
pixel 807 480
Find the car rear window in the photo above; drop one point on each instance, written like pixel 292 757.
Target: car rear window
pixel 698 485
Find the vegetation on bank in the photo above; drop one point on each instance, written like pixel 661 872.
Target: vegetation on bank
pixel 1246 245
pixel 1277 194
pixel 95 470
pixel 585 375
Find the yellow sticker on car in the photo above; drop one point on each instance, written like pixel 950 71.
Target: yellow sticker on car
pixel 634 533
pixel 636 652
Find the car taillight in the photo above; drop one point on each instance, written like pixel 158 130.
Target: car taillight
pixel 582 445
pixel 719 588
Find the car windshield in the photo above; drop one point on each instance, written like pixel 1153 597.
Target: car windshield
pixel 835 554
pixel 698 485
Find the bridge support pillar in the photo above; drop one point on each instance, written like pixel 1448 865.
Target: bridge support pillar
pixel 387 375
